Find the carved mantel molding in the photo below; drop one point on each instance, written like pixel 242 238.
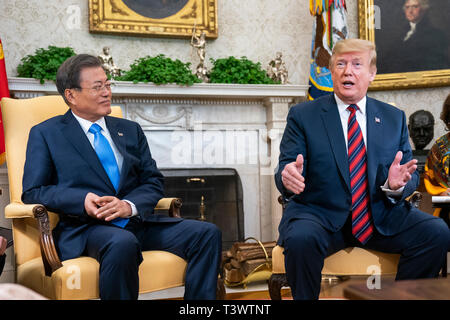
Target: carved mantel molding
pixel 140 92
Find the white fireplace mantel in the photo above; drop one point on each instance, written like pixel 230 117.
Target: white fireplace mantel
pixel 26 87
pixel 202 118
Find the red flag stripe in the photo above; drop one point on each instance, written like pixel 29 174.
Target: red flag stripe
pixel 4 92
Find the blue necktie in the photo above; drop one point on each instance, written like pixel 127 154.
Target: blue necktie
pixel 108 160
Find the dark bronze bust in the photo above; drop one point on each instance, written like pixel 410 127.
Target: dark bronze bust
pixel 421 128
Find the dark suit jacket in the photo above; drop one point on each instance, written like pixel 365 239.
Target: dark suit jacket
pixel 314 130
pixel 62 167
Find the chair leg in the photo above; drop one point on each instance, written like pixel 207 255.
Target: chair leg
pixel 220 292
pixel 276 282
pixel 444 268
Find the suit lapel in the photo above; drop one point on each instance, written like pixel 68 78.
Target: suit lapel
pixel 118 136
pixel 332 124
pixel 75 135
pixel 374 133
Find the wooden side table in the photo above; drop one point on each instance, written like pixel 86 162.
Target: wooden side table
pixel 421 289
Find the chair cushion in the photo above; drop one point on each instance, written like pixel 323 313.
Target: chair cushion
pixel 78 278
pixel 278 260
pixel 351 261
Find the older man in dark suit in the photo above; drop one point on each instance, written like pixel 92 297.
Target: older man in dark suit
pixel 347 167
pixel 98 174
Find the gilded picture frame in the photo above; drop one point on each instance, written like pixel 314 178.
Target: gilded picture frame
pixel 373 16
pixel 154 18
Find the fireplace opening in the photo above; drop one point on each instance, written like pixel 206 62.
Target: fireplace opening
pixel 213 195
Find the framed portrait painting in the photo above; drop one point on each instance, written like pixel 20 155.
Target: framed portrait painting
pixel 159 18
pixel 412 38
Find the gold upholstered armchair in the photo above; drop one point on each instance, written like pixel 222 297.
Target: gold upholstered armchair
pixel 352 261
pixel 38 266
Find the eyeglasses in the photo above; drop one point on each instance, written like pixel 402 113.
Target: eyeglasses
pixel 99 88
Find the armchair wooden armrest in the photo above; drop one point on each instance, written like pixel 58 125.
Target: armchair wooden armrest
pixel 171 206
pixel 19 210
pixel 415 198
pixel 282 201
pixel 49 254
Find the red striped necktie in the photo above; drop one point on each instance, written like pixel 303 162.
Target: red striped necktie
pixel 362 228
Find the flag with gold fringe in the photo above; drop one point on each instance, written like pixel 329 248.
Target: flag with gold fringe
pixel 330 26
pixel 4 92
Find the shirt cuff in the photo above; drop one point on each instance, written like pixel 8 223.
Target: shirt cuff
pixel 392 194
pixel 134 211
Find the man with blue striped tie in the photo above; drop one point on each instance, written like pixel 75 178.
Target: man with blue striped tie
pixel 98 174
pixel 346 167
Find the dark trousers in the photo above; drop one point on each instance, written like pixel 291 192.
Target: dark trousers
pixel 423 248
pixel 119 254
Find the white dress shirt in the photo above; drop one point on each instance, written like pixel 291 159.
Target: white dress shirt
pixel 85 125
pixel 360 117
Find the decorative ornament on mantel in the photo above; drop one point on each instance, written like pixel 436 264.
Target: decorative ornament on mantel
pixel 277 70
pixel 199 43
pixel 108 64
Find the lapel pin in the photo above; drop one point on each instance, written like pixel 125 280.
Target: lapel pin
pixel 120 134
pixel 377 120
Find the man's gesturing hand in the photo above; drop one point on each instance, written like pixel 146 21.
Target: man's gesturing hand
pixel 292 177
pixel 399 175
